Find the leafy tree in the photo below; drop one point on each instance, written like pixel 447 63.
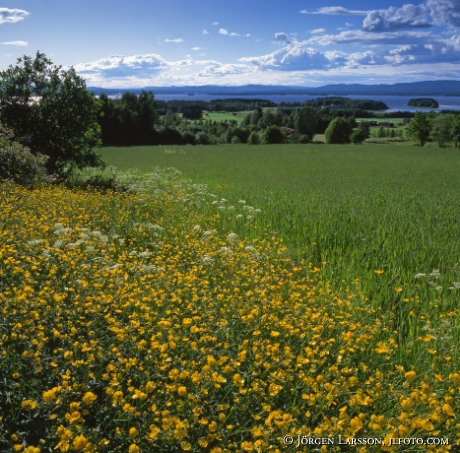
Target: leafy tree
pixel 365 127
pixel 338 131
pixel 270 118
pixel 51 111
pixel 129 120
pixel 358 136
pixel 274 134
pixel 420 127
pixel 253 118
pixel 171 119
pixel 442 128
pixel 455 131
pixel 305 121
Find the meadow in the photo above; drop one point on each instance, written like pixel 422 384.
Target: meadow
pixel 225 116
pixel 261 292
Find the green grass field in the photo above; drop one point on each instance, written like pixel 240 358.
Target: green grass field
pixel 357 208
pixel 224 116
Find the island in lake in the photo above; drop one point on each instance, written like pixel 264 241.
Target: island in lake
pixel 428 103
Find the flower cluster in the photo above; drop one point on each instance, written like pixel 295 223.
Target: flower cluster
pixel 130 322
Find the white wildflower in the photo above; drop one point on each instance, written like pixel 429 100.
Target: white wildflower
pixel 242 201
pixel 59 229
pixel 206 259
pixel 197 228
pixel 156 227
pixel 35 242
pixel 420 275
pixel 145 254
pixel 100 236
pixel 232 237
pixel 455 285
pixel 226 250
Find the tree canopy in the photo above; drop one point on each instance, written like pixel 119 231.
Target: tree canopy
pixel 338 131
pixel 51 111
pixel 420 127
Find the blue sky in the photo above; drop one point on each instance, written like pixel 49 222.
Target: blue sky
pixel 140 43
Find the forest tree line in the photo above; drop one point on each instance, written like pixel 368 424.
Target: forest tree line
pixel 142 120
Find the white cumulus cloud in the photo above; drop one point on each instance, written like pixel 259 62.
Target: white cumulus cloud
pixel 445 12
pixel 408 17
pixel 8 15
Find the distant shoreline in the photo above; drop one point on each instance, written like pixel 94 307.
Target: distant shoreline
pixel 395 102
pixel 414 89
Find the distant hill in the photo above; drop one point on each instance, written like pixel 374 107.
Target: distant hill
pixel 433 88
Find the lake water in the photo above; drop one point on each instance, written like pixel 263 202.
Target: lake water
pixel 394 102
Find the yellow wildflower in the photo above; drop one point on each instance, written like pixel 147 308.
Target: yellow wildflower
pixel 80 442
pixel 29 405
pixel 89 398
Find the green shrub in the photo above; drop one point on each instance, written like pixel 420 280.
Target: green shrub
pixel 18 164
pixel 96 177
pixel 254 138
pixel 358 136
pixel 304 139
pixel 274 134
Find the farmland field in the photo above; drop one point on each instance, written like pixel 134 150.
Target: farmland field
pixel 358 208
pixel 352 210
pixel 225 116
pixel 265 292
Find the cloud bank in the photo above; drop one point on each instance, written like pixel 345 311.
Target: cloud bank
pixel 414 41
